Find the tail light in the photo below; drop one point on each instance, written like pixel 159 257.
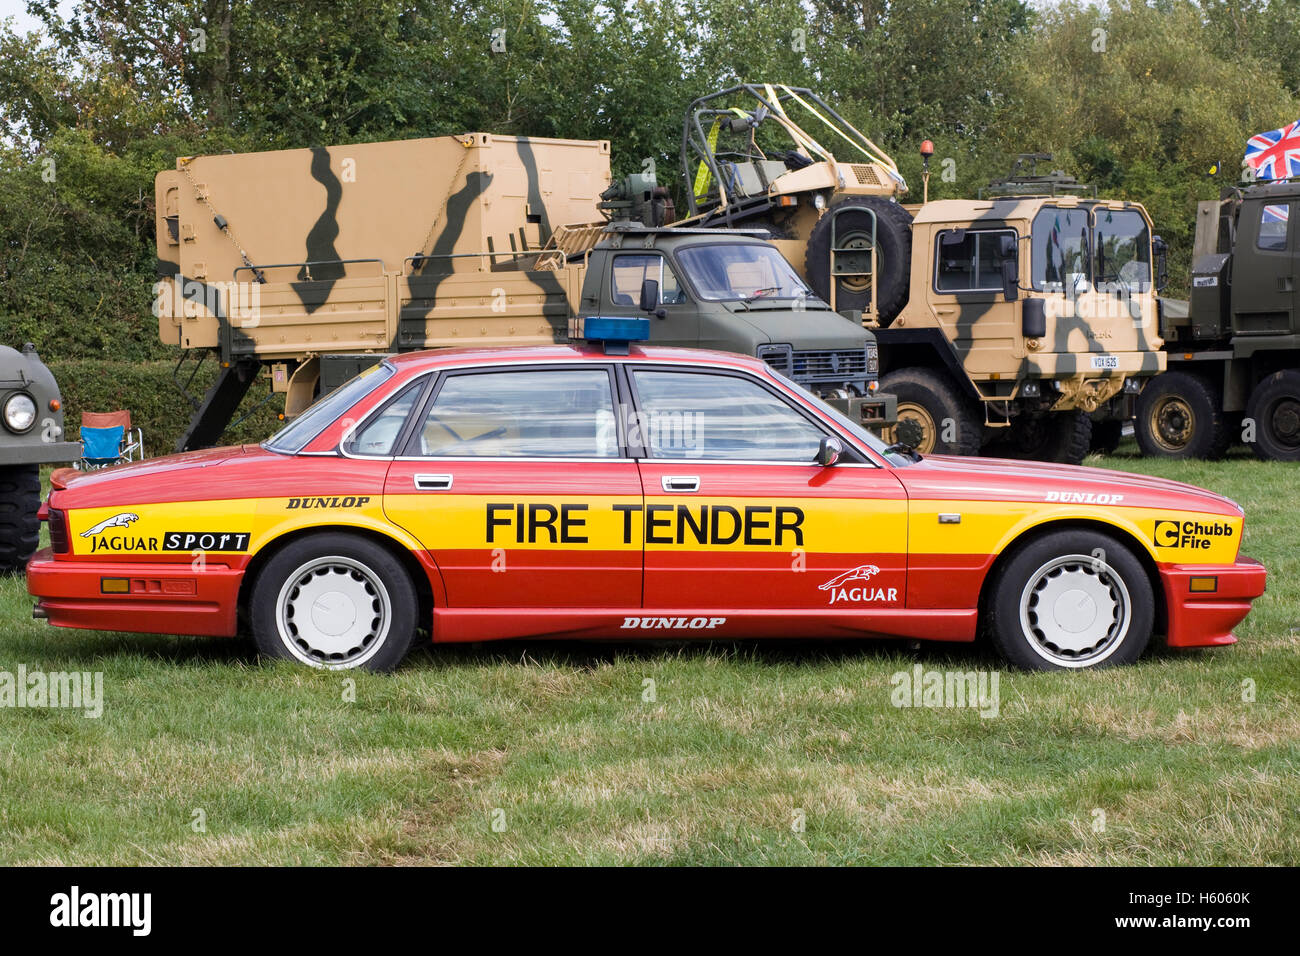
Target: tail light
pixel 58 530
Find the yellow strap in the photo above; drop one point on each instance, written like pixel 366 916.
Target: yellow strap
pixel 703 174
pixel 880 156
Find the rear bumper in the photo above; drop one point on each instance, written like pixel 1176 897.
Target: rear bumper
pixel 163 598
pixel 1206 619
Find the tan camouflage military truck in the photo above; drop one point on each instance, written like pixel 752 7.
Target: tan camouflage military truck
pixel 1021 324
pixel 317 262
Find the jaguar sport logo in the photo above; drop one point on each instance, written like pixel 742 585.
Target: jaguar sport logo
pixel 122 520
pixel 844 588
pixel 1189 534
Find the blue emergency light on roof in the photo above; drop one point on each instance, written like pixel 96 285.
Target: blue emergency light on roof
pixel 615 333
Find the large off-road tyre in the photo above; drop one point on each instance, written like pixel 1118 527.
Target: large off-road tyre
pixel 1061 437
pixel 1274 409
pixel 1070 600
pixel 337 601
pixel 20 531
pixel 852 219
pixel 1179 416
pixel 1106 436
pixel 949 422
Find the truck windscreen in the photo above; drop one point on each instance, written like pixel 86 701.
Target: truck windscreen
pixel 1112 253
pixel 730 271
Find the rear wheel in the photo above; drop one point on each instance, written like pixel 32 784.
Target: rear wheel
pixel 852 223
pixel 20 531
pixel 947 421
pixel 335 601
pixel 1071 600
pixel 1274 407
pixel 1178 416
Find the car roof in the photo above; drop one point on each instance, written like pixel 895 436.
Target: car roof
pixel 522 355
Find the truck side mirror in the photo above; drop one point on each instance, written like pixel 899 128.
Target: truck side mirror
pixel 1161 250
pixel 829 451
pixel 649 295
pixel 1033 318
pixel 1011 279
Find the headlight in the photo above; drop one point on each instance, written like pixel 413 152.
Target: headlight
pixel 20 412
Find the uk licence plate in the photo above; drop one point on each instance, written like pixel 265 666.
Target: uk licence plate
pixel 1105 362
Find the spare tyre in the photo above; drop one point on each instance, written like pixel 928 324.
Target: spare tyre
pixel 852 220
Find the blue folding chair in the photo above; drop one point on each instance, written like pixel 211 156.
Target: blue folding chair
pixel 108 439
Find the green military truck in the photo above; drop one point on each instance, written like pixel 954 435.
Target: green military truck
pixel 1234 348
pixel 31 435
pixel 1022 323
pixel 316 262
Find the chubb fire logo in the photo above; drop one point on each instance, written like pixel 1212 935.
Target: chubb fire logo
pixel 1189 534
pixel 844 589
pixel 122 520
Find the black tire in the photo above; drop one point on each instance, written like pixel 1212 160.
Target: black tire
pixel 20 531
pixel 893 259
pixel 1061 437
pixel 1179 416
pixel 1274 407
pixel 1106 436
pixel 1100 568
pixel 346 570
pixel 949 423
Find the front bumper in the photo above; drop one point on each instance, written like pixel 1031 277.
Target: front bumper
pixel 163 598
pixel 1206 619
pixel 46 453
pixel 877 410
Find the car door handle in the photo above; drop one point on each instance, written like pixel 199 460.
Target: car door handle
pixel 433 482
pixel 680 483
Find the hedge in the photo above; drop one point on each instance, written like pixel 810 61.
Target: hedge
pixel 155 401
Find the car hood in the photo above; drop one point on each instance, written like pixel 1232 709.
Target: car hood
pixel 997 479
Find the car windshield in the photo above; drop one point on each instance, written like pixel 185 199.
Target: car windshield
pixel 748 271
pixel 294 437
pixel 1112 253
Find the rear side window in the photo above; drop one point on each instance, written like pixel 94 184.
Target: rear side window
pixel 553 413
pixel 970 262
pixel 1274 223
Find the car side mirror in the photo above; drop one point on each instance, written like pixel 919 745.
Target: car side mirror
pixel 1011 279
pixel 649 295
pixel 1033 318
pixel 829 451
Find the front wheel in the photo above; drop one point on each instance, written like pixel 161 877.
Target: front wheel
pixel 20 531
pixel 335 601
pixel 947 421
pixel 1178 416
pixel 1071 600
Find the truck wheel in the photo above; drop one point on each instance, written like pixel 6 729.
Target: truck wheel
pixel 1178 416
pixel 949 425
pixel 1070 600
pixel 20 531
pixel 1274 407
pixel 1106 436
pixel 335 601
pixel 853 231
pixel 1061 437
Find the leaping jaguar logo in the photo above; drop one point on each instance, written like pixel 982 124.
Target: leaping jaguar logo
pixel 122 520
pixel 862 572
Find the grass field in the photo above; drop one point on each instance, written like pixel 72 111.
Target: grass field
pixel 753 753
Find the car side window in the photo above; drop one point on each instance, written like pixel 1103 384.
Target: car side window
pixel 629 271
pixel 550 413
pixel 971 262
pixel 720 417
pixel 380 433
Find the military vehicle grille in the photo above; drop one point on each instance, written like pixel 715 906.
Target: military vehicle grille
pixel 866 175
pixel 819 365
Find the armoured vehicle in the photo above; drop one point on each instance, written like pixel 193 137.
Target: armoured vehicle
pixel 31 433
pixel 981 359
pixel 318 262
pixel 1234 349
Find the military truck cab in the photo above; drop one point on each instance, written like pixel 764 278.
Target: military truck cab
pixel 1028 319
pixel 1234 347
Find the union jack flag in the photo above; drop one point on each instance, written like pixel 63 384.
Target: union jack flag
pixel 1275 154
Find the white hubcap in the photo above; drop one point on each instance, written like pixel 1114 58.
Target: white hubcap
pixel 1075 610
pixel 333 612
